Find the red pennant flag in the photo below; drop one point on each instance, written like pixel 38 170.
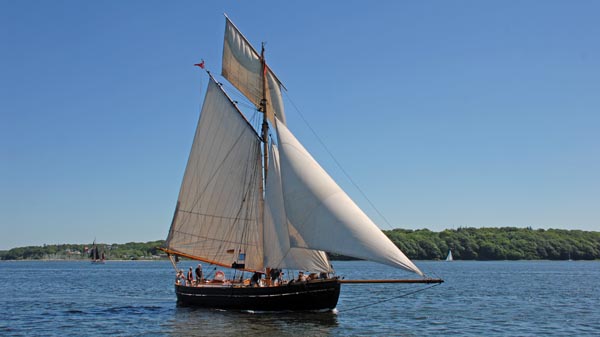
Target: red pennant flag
pixel 201 64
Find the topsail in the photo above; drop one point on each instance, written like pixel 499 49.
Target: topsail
pixel 243 67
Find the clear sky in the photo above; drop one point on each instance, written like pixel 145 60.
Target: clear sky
pixel 445 113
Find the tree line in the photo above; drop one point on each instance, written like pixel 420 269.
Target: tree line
pixel 505 243
pixel 124 251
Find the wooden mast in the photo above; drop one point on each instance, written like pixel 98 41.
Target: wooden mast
pixel 263 105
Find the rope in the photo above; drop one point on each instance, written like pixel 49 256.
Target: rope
pixel 391 298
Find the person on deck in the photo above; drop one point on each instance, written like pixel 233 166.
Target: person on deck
pixel 275 276
pixel 190 277
pixel 199 274
pixel 254 281
pixel 180 279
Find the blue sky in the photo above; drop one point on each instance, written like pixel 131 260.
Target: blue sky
pixel 446 114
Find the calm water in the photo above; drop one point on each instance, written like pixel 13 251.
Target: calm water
pixel 137 298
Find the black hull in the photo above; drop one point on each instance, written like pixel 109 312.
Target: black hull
pixel 313 295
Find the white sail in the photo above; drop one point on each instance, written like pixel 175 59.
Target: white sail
pixel 217 216
pixel 277 249
pixel 242 67
pixel 324 215
pixel 449 257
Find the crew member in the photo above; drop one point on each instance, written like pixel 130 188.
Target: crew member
pixel 199 274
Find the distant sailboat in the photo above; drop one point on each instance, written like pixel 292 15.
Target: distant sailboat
pixel 449 256
pixel 231 213
pixel 96 255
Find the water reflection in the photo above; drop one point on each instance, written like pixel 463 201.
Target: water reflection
pixel 202 322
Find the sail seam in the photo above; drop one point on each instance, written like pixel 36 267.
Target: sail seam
pixel 216 216
pixel 211 239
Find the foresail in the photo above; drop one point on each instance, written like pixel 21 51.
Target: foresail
pixel 278 232
pixel 324 215
pixel 217 217
pixel 242 67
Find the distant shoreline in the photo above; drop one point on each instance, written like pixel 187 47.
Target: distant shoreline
pixel 465 243
pixel 82 260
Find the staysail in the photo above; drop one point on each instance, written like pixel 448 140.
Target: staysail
pixel 324 215
pixel 279 253
pixel 242 67
pixel 217 217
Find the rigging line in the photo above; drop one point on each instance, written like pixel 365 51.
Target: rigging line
pixel 246 197
pixel 245 105
pixel 338 163
pixel 216 216
pixel 391 298
pixel 247 205
pixel 233 91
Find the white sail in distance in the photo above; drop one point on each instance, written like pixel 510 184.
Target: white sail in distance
pixel 217 216
pixel 449 256
pixel 324 215
pixel 242 67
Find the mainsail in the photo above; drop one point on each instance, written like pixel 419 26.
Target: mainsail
pixel 217 218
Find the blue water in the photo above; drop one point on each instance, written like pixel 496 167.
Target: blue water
pixel 136 298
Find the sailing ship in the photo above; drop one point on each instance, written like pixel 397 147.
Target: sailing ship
pixel 449 256
pixel 254 201
pixel 96 255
